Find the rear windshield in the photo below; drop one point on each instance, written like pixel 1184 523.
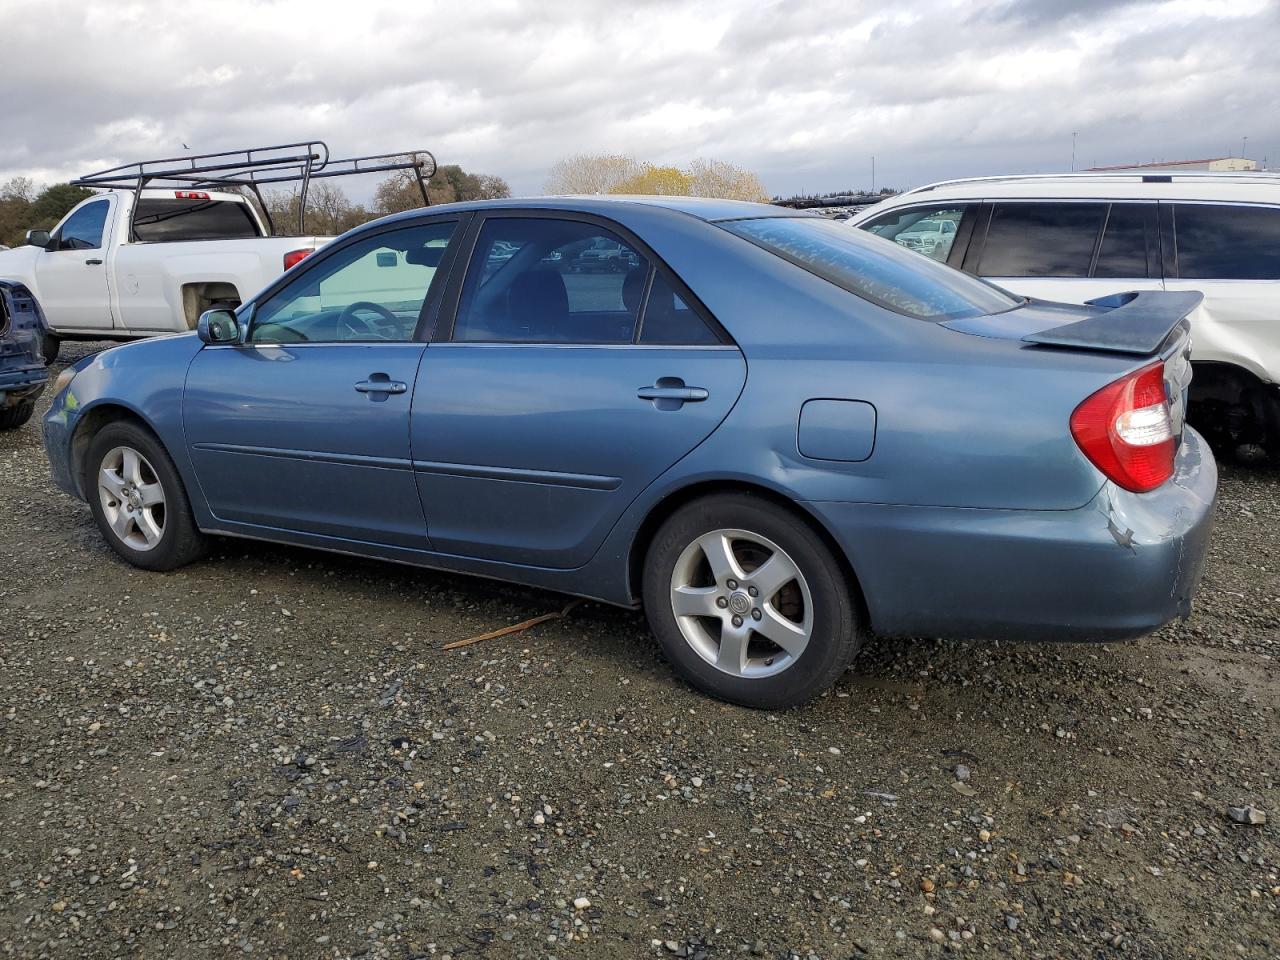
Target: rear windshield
pixel 875 269
pixel 158 220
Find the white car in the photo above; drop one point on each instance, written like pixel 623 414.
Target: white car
pixel 105 272
pixel 1076 237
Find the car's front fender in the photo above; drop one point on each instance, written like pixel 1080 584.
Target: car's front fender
pixel 143 381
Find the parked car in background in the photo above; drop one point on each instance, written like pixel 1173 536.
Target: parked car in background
pixel 774 432
pixel 1073 237
pixel 22 370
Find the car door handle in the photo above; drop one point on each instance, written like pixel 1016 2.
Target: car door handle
pixel 380 386
pixel 93 262
pixel 671 393
pixel 683 394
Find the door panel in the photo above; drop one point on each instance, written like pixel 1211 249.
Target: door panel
pixel 72 280
pixel 528 453
pixel 281 436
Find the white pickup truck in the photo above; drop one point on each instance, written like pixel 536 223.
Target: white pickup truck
pixel 107 271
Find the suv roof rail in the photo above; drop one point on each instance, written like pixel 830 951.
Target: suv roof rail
pixel 1153 175
pixel 256 166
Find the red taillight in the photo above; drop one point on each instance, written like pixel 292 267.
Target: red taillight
pixel 190 195
pixel 1126 430
pixel 295 256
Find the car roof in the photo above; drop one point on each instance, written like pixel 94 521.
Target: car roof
pixel 704 208
pixel 1261 187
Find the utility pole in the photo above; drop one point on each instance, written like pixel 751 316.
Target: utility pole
pixel 1073 151
pixel 1244 143
pixel 873 173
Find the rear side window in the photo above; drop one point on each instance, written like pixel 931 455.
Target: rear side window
pixel 542 280
pixel 874 269
pixel 1127 240
pixel 160 220
pixel 1041 239
pixel 669 320
pixel 928 230
pixel 83 229
pixel 1221 242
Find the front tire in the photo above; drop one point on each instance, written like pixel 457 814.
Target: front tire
pixel 17 415
pixel 749 603
pixel 138 499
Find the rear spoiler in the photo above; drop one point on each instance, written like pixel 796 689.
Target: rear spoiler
pixel 1135 322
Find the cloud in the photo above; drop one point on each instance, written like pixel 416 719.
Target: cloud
pixel 802 92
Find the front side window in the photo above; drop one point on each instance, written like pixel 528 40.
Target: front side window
pixel 372 290
pixel 874 269
pixel 1221 242
pixel 84 228
pixel 1041 239
pixel 928 230
pixel 541 280
pixel 159 220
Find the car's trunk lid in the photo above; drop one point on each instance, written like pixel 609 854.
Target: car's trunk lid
pixel 1144 324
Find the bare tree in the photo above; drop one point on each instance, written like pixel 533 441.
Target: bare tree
pixel 583 173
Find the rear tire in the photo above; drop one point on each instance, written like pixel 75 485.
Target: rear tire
pixel 17 415
pixel 745 574
pixel 138 499
pixel 50 347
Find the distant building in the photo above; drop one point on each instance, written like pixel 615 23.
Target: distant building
pixel 1214 164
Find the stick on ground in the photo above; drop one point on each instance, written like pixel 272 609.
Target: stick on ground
pixel 514 628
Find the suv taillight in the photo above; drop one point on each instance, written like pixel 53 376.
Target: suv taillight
pixel 295 256
pixel 1126 430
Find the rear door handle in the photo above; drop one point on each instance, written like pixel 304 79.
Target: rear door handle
pixel 379 386
pixel 93 262
pixel 671 393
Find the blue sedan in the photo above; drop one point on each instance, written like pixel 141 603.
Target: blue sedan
pixel 775 433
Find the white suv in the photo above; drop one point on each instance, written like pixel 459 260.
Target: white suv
pixel 1074 237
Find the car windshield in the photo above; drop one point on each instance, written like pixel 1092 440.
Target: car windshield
pixel 875 269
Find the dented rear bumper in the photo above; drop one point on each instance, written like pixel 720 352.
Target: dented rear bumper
pixel 1120 566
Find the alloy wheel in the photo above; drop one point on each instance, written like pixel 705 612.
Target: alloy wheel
pixel 132 498
pixel 741 603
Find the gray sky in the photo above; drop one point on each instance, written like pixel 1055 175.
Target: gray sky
pixel 802 93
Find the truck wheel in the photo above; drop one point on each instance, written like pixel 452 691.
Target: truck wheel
pixel 50 346
pixel 17 415
pixel 138 499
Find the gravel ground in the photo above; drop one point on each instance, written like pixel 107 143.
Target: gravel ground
pixel 268 753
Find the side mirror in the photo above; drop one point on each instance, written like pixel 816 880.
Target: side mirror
pixel 38 238
pixel 218 326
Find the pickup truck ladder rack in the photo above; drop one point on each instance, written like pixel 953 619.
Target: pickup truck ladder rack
pixel 252 168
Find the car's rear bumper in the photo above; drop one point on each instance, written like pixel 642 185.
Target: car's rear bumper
pixel 23 383
pixel 1121 566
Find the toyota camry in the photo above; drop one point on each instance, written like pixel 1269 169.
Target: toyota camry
pixel 775 434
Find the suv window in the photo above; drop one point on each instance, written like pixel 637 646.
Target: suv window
pixel 874 269
pixel 372 290
pixel 1041 239
pixel 1221 242
pixel 928 230
pixel 83 229
pixel 159 220
pixel 1127 240
pixel 542 280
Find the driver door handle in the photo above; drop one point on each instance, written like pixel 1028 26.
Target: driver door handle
pixel 379 386
pixel 93 262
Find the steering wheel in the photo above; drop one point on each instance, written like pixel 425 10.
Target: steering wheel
pixel 348 319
